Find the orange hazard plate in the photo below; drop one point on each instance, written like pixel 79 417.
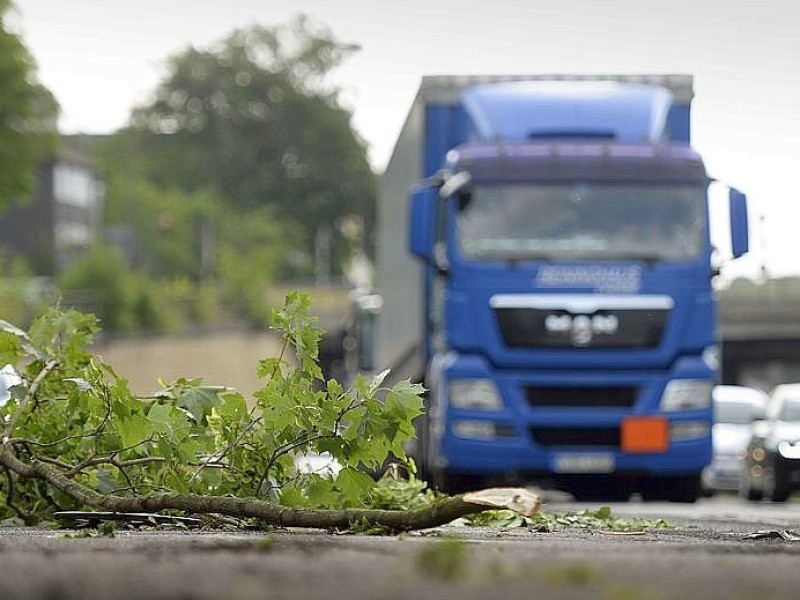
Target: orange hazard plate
pixel 645 435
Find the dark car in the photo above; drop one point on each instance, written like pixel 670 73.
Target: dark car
pixel 771 465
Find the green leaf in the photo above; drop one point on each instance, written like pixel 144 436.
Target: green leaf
pixel 169 421
pixel 292 495
pixel 319 490
pixel 603 513
pixel 188 450
pixel 199 401
pixel 233 407
pixel 83 385
pixel 354 484
pixel 10 347
pixel 133 429
pixel 177 481
pixel 277 410
pixel 378 380
pixel 269 367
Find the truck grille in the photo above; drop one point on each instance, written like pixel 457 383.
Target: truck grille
pixel 567 397
pixel 573 436
pixel 610 328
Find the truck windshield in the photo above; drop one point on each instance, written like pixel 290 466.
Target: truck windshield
pixel 590 221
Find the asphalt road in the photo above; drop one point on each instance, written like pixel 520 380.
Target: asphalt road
pixel 707 554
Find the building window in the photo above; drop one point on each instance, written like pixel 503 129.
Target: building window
pixel 75 186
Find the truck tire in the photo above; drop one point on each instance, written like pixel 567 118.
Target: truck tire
pixel 601 489
pixel 683 488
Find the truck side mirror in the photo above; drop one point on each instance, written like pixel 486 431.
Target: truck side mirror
pixel 424 210
pixel 739 223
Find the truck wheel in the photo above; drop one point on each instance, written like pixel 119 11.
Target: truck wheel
pixel 685 488
pixel 601 489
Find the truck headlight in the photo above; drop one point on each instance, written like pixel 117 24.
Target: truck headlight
pixel 475 430
pixel 688 430
pixel 474 394
pixel 686 394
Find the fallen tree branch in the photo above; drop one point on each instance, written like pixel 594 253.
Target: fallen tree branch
pixel 438 513
pixel 104 438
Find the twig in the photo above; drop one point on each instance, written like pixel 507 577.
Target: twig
pixel 53 461
pixel 215 458
pixel 111 460
pixel 67 438
pixel 80 436
pixel 10 498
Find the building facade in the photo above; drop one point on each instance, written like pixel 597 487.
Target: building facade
pixel 63 217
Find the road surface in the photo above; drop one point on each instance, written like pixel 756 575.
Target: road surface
pixel 708 554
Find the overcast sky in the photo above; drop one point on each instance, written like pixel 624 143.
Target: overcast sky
pixel 101 57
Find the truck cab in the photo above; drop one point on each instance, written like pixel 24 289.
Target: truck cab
pixel 568 321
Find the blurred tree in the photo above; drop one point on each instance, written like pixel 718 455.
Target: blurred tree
pixel 251 120
pixel 125 301
pixel 28 114
pixel 170 234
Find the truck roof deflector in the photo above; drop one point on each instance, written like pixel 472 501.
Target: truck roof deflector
pixel 520 110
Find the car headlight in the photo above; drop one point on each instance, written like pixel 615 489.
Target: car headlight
pixel 789 450
pixel 686 394
pixel 474 394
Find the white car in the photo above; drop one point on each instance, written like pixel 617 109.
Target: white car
pixel 8 379
pixel 735 409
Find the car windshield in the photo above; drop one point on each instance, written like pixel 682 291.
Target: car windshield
pixel 790 409
pixel 737 413
pixel 581 221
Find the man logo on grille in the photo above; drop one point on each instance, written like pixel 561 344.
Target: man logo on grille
pixel 581 328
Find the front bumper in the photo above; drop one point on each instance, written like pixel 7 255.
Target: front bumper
pixel 565 439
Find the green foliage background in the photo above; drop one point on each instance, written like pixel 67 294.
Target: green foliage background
pixel 242 158
pixel 27 115
pixel 219 188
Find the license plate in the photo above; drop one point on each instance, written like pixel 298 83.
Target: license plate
pixel 583 463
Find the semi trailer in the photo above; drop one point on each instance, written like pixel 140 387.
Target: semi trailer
pixel 545 266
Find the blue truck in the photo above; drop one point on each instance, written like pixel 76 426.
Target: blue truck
pixel 545 267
